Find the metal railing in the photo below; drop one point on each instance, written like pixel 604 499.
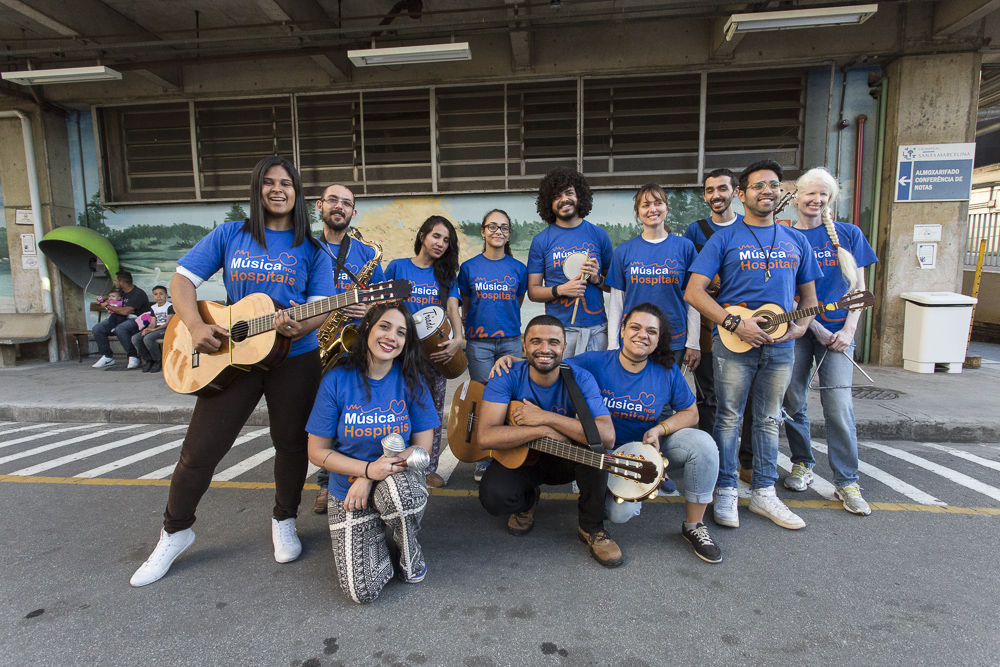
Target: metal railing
pixel 984 226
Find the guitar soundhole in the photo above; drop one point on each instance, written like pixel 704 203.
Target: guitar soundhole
pixel 239 332
pixel 767 326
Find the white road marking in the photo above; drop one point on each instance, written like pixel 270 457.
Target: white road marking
pixel 100 449
pixel 166 471
pixel 243 466
pixel 993 465
pixel 949 474
pixel 121 463
pixel 30 427
pixel 29 438
pixel 819 485
pixel 61 443
pixel 893 482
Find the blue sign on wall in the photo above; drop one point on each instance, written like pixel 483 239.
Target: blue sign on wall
pixel 935 172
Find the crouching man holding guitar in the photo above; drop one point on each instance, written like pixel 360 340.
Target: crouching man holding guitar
pixel 547 412
pixel 759 262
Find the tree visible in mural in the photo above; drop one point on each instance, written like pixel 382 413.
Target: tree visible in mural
pixel 234 213
pixel 93 216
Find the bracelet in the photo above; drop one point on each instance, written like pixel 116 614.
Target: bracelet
pixel 366 470
pixel 666 428
pixel 555 292
pixel 731 323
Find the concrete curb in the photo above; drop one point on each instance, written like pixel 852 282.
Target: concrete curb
pixel 874 429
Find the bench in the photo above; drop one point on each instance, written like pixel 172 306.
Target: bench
pixel 19 328
pixel 83 337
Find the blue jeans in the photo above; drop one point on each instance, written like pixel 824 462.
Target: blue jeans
pixel 104 328
pixel 838 408
pixel 146 345
pixel 586 339
pixel 482 353
pixel 689 449
pixel 768 370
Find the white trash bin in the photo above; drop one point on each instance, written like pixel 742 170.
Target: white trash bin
pixel 936 330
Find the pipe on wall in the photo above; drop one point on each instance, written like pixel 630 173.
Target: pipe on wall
pixel 36 216
pixel 859 159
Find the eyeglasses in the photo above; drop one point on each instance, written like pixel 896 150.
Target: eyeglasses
pixel 492 227
pixel 333 201
pixel 770 185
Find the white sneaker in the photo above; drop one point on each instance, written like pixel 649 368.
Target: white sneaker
pixel 286 541
pixel 170 546
pixel 104 362
pixel 766 503
pixel 724 507
pixel 133 362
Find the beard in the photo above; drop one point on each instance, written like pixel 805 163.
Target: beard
pixel 335 226
pixel 544 367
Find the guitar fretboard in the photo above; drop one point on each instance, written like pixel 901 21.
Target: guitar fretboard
pixel 587 457
pixel 303 311
pixel 805 312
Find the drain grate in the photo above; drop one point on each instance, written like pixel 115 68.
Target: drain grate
pixel 873 394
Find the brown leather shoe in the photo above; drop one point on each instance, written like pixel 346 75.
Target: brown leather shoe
pixel 604 549
pixel 319 505
pixel 745 474
pixel 521 523
pixel 434 480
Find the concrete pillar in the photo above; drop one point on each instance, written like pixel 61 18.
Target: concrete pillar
pixel 56 195
pixel 932 100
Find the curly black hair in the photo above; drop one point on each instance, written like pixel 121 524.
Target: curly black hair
pixel 554 184
pixel 662 354
pixel 445 266
pixel 417 371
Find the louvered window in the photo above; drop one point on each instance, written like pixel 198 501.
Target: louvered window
pixel 621 132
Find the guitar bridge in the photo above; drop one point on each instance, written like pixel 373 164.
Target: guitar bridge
pixel 195 358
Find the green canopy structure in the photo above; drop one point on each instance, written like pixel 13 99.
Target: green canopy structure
pixel 76 251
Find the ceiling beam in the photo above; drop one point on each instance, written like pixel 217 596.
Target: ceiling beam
pixel 720 46
pixel 77 18
pixel 951 16
pixel 309 15
pixel 521 46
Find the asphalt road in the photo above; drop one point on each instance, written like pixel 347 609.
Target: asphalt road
pixel 915 583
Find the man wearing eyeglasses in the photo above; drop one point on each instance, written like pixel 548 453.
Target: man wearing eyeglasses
pixel 759 262
pixel 336 208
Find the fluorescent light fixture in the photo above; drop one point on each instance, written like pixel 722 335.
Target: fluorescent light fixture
pixel 407 55
pixel 41 77
pixel 798 18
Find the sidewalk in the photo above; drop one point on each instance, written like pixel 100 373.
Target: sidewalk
pixel 963 407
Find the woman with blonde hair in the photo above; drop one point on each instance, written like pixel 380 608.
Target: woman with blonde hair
pixel 842 252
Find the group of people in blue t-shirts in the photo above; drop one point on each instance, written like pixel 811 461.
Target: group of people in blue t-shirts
pixel 602 366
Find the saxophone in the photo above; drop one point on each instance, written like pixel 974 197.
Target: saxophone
pixel 335 339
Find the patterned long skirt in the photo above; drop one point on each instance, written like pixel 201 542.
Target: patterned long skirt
pixel 359 543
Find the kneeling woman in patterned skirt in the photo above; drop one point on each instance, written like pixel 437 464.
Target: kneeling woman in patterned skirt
pixel 381 388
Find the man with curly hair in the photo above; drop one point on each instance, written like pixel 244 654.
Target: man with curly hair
pixel 564 199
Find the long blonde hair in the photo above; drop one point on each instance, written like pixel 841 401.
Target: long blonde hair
pixel 848 265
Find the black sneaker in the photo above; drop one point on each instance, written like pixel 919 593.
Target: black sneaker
pixel 704 547
pixel 148 366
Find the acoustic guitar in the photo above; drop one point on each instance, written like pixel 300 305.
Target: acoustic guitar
pixel 252 340
pixel 463 426
pixel 776 320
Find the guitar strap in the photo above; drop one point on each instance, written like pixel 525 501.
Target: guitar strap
pixel 707 230
pixel 582 409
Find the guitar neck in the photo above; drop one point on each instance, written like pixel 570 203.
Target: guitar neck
pixel 805 312
pixel 304 311
pixel 565 450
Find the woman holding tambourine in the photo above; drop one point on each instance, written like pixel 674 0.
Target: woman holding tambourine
pixel 433 272
pixel 375 477
pixel 651 403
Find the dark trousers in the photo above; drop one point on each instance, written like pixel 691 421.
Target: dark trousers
pixel 290 390
pixel 504 491
pixel 704 389
pixel 103 329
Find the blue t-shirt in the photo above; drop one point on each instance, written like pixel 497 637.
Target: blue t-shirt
pixel 636 401
pixel 358 426
pixel 426 291
pixel 737 257
pixel 358 254
pixel 493 289
pixel 550 247
pixel 516 385
pixel 285 273
pixel 695 235
pixel 832 286
pixel 657 273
